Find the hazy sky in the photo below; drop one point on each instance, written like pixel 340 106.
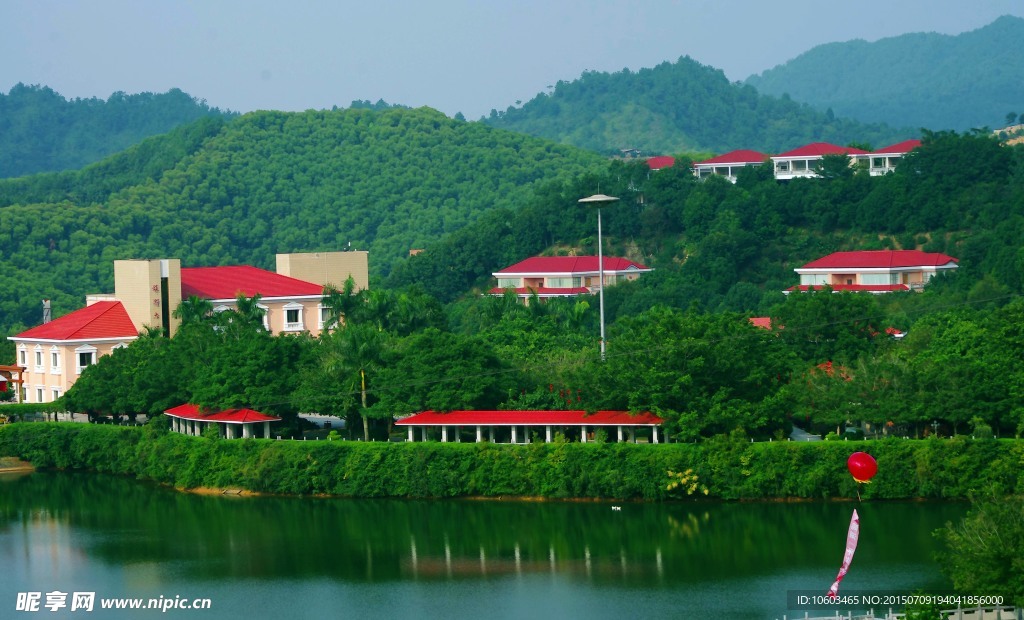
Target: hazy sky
pixel 453 55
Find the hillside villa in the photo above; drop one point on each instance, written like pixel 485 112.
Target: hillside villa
pixel 804 161
pixel 563 276
pixel 801 162
pixel 146 292
pixel 873 271
pixel 729 164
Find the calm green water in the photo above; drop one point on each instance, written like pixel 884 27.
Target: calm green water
pixel 327 558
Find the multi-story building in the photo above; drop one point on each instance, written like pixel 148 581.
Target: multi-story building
pixel 146 293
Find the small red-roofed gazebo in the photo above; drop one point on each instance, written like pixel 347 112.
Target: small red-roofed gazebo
pixel 579 420
pixel 189 419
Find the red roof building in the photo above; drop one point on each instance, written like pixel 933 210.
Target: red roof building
pixel 564 276
pixel 190 419
pixel 803 162
pixel 874 271
pixel 224 284
pixel 103 320
pixel 148 291
pixel 729 164
pixel 661 161
pixel 55 353
pixel 511 421
pixel 884 160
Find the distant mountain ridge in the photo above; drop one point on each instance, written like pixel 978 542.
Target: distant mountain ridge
pixel 41 131
pixel 928 80
pixel 679 107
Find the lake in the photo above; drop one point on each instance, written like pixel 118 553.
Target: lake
pixel 283 557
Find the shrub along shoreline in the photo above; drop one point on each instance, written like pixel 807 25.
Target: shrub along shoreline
pixel 725 468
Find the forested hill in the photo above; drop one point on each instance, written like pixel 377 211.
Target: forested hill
pixel 267 182
pixel 678 107
pixel 918 80
pixel 41 131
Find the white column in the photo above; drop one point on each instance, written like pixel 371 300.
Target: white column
pixel 266 430
pixel 654 433
pixel 444 433
pixel 547 433
pixel 423 432
pixel 490 433
pixel 479 433
pixel 632 434
pixel 514 427
pixel 620 433
pixel 458 435
pixel 583 434
pixel 246 431
pixel 411 436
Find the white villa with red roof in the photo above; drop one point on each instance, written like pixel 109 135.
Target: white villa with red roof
pixel 729 164
pixel 803 162
pixel 883 161
pixel 873 271
pixel 148 291
pixel 564 276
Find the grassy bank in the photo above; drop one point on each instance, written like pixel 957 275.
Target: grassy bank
pixel 728 468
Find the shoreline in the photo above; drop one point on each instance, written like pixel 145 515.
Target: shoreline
pixel 11 464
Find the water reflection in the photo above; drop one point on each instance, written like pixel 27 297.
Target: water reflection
pixel 62 524
pixel 221 537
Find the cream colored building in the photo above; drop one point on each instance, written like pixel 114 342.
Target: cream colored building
pixel 146 293
pixel 54 354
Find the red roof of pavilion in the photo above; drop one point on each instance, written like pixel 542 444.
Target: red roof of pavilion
pixel 661 161
pixel 103 319
pixel 228 282
pixel 189 411
pixel 818 149
pixel 529 418
pixel 880 259
pixel 570 264
pixel 764 322
pixel 741 156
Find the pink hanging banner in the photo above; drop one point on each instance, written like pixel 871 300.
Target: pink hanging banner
pixel 852 535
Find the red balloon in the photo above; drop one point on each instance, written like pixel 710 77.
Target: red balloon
pixel 862 466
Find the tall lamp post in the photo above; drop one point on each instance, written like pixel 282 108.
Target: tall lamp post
pixel 598 200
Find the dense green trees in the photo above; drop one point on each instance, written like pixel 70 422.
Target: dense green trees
pixel 981 552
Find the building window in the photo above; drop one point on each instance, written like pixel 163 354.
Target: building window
pixel 22 357
pixel 54 361
pixel 293 318
pixel 325 316
pixel 39 394
pixel 508 282
pixel 570 282
pixel 55 394
pixel 84 356
pixel 38 357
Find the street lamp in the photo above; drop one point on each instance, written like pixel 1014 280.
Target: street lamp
pixel 597 200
